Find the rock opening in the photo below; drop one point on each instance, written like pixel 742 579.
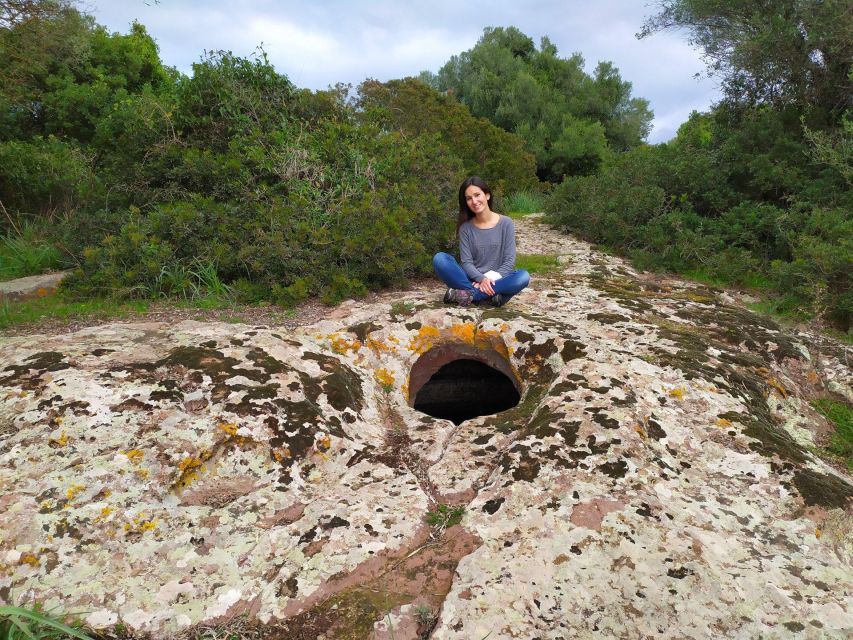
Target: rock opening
pixel 460 382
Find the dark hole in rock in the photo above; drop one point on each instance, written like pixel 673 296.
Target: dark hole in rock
pixel 463 389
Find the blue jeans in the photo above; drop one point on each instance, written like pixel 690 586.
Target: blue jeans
pixel 454 277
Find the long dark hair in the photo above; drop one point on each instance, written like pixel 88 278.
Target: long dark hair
pixel 465 214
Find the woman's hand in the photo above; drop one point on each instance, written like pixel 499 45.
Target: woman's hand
pixel 486 286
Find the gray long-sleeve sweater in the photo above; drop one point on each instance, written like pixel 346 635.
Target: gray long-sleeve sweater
pixel 482 250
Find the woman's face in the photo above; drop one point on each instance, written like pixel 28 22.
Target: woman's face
pixel 476 199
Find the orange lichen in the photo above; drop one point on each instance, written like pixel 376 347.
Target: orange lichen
pixel 378 345
pixel 41 292
pixel 341 345
pixel 464 331
pixel 639 429
pixel 777 386
pixel 723 423
pixel 424 340
pixel 323 443
pixel 812 376
pixel 818 533
pixel 282 453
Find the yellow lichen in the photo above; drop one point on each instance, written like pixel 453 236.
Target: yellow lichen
pixel 142 474
pixel 723 423
pixel 134 455
pixel 818 533
pixel 61 441
pixel 30 559
pixel 73 491
pixel 677 393
pixel 385 378
pixel 105 512
pixel 58 420
pixel 230 428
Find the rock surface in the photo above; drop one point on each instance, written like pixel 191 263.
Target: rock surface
pixel 657 479
pixel 31 286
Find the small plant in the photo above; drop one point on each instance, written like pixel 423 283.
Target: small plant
pixel 34 624
pixel 401 308
pixel 537 263
pixel 445 516
pixel 523 203
pixel 426 619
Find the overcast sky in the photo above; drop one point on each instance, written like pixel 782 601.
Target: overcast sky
pixel 322 42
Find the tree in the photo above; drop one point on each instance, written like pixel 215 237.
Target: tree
pixel 771 51
pixel 567 117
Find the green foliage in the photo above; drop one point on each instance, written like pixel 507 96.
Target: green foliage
pixel 445 516
pixel 523 202
pixel 841 415
pixel 19 623
pixel 569 119
pixel 44 176
pixel 535 263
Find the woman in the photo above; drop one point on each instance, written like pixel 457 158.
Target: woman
pixel 486 250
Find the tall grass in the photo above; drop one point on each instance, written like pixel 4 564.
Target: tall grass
pixel 26 254
pixel 523 202
pixel 18 623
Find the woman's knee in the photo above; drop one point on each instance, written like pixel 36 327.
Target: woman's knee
pixel 440 259
pixel 523 278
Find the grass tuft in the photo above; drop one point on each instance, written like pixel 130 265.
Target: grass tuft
pixel 26 255
pixel 58 306
pixel 841 415
pixel 522 203
pixel 534 263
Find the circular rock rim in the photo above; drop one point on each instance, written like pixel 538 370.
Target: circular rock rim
pixel 428 364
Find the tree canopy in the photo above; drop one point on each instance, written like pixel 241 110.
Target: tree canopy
pixel 779 52
pixel 569 119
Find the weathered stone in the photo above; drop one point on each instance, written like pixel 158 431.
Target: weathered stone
pixel 657 478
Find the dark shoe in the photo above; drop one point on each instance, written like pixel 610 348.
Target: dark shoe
pixel 462 297
pixel 496 300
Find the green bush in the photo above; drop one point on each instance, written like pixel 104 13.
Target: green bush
pixel 44 176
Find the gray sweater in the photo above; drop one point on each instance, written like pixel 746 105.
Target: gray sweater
pixel 482 250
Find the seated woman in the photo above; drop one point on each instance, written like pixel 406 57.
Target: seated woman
pixel 486 250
